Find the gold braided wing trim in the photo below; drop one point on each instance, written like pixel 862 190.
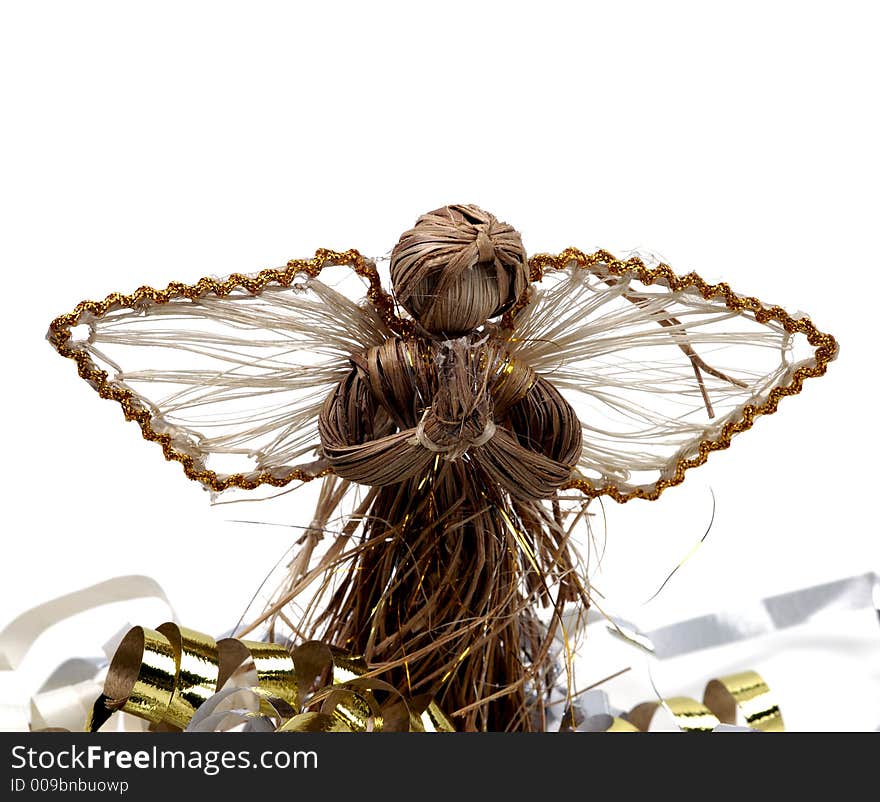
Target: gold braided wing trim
pixel 661 369
pixel 249 362
pixel 550 349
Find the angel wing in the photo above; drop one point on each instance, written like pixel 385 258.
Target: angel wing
pixel 229 376
pixel 661 369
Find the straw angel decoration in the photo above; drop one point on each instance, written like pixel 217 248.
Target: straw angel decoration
pixel 446 420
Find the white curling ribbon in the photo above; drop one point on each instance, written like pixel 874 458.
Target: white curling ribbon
pixel 19 635
pixel 68 695
pixel 71 688
pixel 65 707
pixel 228 709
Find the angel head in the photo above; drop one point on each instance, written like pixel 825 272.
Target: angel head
pixel 458 267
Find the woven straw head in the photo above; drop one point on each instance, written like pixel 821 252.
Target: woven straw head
pixel 458 267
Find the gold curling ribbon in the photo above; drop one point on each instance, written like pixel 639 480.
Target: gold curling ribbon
pixel 161 675
pixel 618 724
pixel 276 673
pixel 197 671
pixel 745 692
pixel 748 692
pixel 164 675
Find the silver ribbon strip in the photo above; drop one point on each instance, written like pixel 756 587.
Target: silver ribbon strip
pixel 767 615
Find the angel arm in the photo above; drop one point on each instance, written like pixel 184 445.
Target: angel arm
pixel 545 422
pixel 538 447
pixel 528 444
pixel 359 440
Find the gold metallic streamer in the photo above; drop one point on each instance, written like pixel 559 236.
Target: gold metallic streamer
pixel 164 675
pixel 197 671
pixel 621 725
pixel 745 692
pixel 141 679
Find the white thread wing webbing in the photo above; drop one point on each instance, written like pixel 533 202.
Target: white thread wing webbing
pixel 238 381
pixel 650 372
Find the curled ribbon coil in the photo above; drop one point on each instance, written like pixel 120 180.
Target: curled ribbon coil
pixel 743 696
pixel 157 686
pixel 168 674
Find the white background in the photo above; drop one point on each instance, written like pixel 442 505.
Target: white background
pixel 144 143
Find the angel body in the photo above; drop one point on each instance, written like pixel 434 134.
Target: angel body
pixel 463 414
pixel 463 444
